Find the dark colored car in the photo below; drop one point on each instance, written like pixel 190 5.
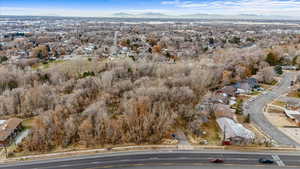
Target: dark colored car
pixel 265 161
pixel 217 160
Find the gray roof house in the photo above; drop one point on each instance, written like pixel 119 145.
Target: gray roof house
pixel 247 85
pixel 229 90
pixel 235 132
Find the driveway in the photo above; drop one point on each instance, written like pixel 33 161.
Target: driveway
pixel 256 107
pixel 183 144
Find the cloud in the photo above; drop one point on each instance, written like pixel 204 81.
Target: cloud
pixel 263 7
pixel 175 2
pixel 52 12
pixel 75 12
pixel 141 11
pixel 179 7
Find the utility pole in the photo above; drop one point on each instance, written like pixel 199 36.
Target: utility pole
pixel 224 135
pixel 5 149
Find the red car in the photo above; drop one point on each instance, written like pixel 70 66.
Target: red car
pixel 217 160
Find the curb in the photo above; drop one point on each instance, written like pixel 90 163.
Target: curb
pixel 92 151
pixel 269 90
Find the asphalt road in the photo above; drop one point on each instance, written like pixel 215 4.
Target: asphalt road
pixel 255 109
pixel 163 160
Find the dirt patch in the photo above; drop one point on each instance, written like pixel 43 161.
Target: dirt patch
pixel 274 110
pixel 211 134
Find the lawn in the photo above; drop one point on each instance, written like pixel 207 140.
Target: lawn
pixel 212 132
pixel 274 110
pixel 28 123
pixel 294 93
pixel 279 103
pixel 255 93
pixel 243 97
pixel 47 65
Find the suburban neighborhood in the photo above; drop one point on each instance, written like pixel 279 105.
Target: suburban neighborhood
pixel 141 88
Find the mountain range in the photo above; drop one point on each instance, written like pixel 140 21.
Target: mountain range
pixel 200 16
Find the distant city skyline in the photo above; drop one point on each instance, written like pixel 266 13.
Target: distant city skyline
pixel 98 8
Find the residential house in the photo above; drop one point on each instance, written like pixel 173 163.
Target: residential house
pixel 242 87
pixel 228 90
pixel 216 98
pixel 291 113
pixel 9 130
pixel 289 67
pixel 223 110
pixel 220 98
pixel 235 132
pixel 253 83
pixel 246 86
pixel 293 116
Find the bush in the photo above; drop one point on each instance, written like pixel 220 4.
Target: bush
pixel 87 74
pixel 273 59
pixel 239 106
pixel 247 119
pixel 3 59
pixel 235 40
pixel 278 69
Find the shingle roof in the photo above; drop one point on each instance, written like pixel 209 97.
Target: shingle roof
pixel 233 129
pixel 7 128
pixel 230 90
pixel 291 113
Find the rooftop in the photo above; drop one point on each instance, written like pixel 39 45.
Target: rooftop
pixel 233 129
pixel 8 127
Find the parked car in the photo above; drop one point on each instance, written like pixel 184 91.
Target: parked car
pixel 265 161
pixel 226 143
pixel 217 160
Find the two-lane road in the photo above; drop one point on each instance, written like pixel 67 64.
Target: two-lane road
pixel 256 108
pixel 162 159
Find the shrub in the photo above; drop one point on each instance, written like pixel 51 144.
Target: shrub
pixel 87 74
pixel 273 59
pixel 278 69
pixel 247 119
pixel 235 40
pixel 3 59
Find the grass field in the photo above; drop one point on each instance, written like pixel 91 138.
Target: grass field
pixel 28 123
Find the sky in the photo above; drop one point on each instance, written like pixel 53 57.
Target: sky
pixel 98 8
